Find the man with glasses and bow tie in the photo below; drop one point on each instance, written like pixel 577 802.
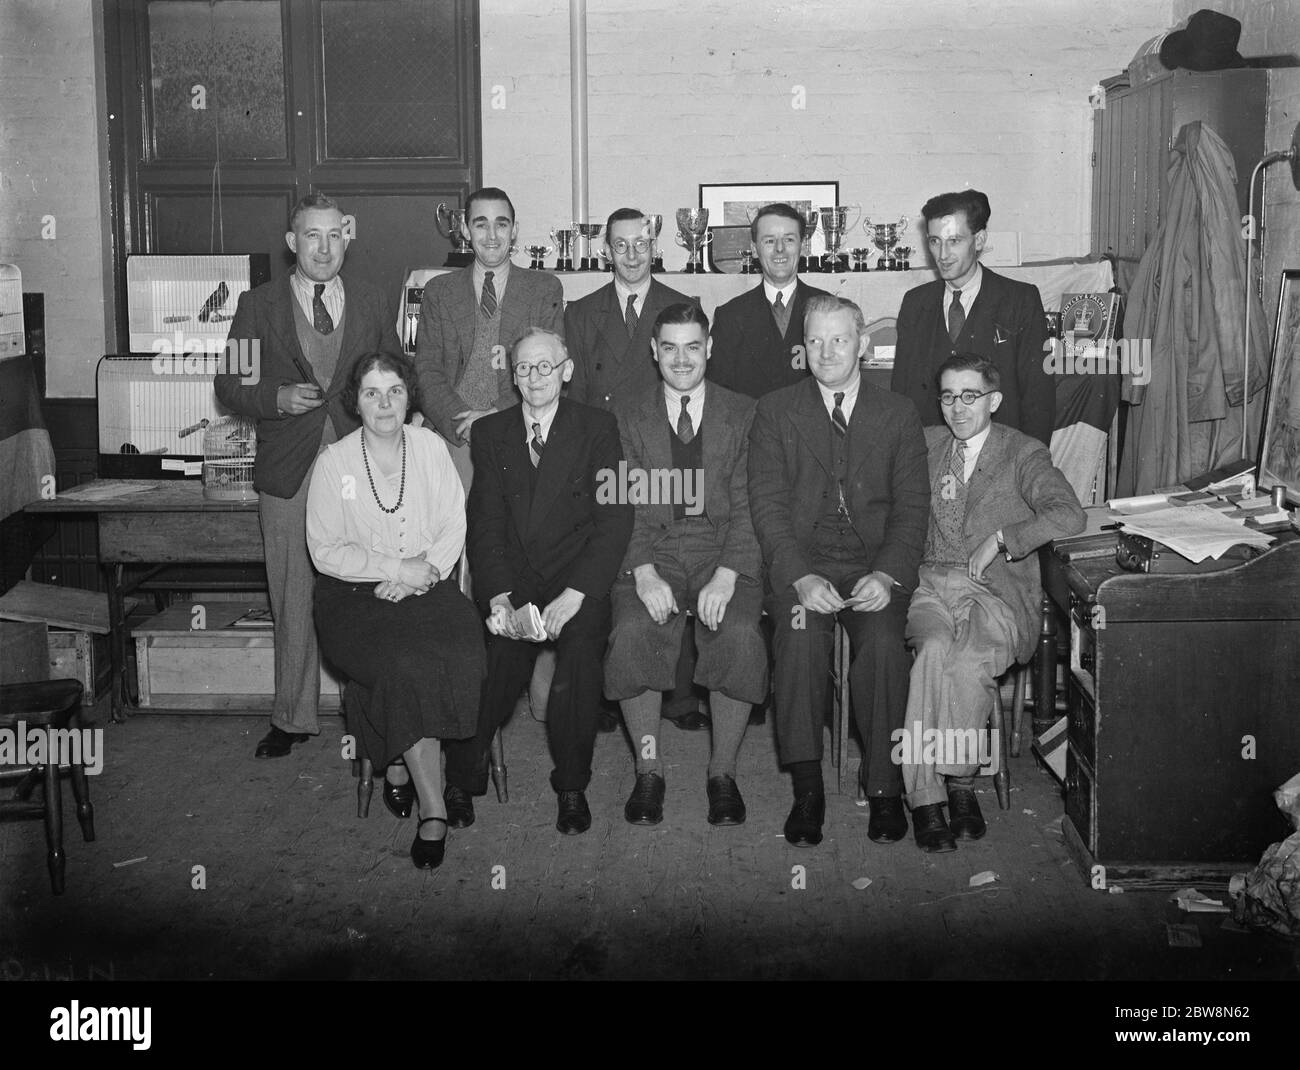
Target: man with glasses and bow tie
pixel 971 309
pixel 540 533
pixel 994 499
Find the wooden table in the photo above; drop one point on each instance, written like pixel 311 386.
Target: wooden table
pixel 167 523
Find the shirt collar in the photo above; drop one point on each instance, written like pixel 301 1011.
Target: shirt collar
pixel 546 421
pixel 975 443
pixel 623 291
pixel 308 286
pixel 673 398
pixel 850 392
pixel 770 291
pixel 971 288
pixel 500 276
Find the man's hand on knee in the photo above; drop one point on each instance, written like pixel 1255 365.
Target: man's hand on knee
pixel 655 594
pixel 715 596
pixel 816 594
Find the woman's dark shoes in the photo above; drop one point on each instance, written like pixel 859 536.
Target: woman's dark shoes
pixel 964 817
pixel 399 798
pixel 645 806
pixel 427 854
pixel 803 828
pixel 726 807
pixel 888 823
pixel 932 833
pixel 574 816
pixel 277 743
pixel 460 807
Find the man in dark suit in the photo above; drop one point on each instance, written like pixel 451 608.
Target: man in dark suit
pixel 686 443
pixel 837 491
pixel 971 309
pixel 995 498
pixel 307 329
pixel 758 343
pixel 541 533
pixel 469 320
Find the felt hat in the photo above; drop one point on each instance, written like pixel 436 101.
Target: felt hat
pixel 1209 43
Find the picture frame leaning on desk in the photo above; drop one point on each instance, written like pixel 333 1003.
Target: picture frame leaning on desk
pixel 1279 448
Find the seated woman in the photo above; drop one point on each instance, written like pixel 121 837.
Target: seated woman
pixel 385 527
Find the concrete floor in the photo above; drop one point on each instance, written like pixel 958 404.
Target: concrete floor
pixel 298 887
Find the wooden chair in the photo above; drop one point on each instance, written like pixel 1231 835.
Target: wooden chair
pixel 45 705
pixel 841 710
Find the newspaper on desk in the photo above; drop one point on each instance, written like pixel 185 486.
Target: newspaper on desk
pixel 1195 531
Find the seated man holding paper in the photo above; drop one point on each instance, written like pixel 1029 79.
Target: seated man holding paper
pixel 994 499
pixel 541 535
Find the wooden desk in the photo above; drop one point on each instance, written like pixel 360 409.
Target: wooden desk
pixel 1183 715
pixel 169 523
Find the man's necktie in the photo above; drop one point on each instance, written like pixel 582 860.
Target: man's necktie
pixel 837 416
pixel 632 318
pixel 781 312
pixel 958 465
pixel 685 429
pixel 536 444
pixel 488 302
pixel 320 315
pixel 956 316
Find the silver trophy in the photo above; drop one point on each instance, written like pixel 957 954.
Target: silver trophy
pixel 451 225
pixel 654 224
pixel 538 253
pixel 564 241
pixel 588 233
pixel 807 262
pixel 693 235
pixel 885 236
pixel 835 222
pixel 747 261
pixel 859 256
pixel 902 258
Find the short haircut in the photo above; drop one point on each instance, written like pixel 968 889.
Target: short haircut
pixel 535 332
pixel 397 363
pixel 487 193
pixel 971 362
pixel 621 215
pixel 973 204
pixel 683 312
pixel 825 304
pixel 311 201
pixel 778 208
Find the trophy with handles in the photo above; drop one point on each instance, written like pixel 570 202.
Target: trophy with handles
pixel 835 222
pixel 903 258
pixel 807 262
pixel 654 224
pixel 538 255
pixel 885 236
pixel 588 233
pixel 451 225
pixel 693 235
pixel 859 256
pixel 564 241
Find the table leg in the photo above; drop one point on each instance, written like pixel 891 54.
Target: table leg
pixel 1045 683
pixel 116 641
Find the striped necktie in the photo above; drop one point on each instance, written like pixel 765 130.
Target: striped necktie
pixel 536 445
pixel 685 429
pixel 837 415
pixel 488 302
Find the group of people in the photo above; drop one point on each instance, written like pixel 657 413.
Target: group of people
pixel 657 502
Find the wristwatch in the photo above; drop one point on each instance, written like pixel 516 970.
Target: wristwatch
pixel 1002 546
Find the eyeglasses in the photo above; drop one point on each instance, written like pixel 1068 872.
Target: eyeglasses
pixel 641 245
pixel 968 397
pixel 544 368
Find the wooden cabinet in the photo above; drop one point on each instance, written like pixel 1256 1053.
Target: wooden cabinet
pixel 1184 714
pixel 1134 133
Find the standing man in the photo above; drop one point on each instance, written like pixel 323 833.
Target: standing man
pixel 837 490
pixel 691 549
pixel 470 319
pixel 994 499
pixel 307 330
pixel 970 309
pixel 758 339
pixel 540 534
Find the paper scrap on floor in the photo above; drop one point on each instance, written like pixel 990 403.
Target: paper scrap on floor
pixel 1195 531
pixel 1195 902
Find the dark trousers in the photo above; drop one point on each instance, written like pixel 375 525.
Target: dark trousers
pixel 571 710
pixel 878 677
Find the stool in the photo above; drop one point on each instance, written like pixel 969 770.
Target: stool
pixel 47 704
pixel 1007 744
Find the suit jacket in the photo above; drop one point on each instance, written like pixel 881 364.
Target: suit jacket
pixel 610 369
pixel 535 542
pixel 647 445
pixel 1013 487
pixel 749 354
pixel 445 339
pixel 1006 325
pixel 790 480
pixel 287 445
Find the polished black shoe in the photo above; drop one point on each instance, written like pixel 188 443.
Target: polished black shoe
pixel 399 798
pixel 888 823
pixel 574 816
pixel 277 743
pixel 932 833
pixel 607 720
pixel 645 806
pixel 460 807
pixel 726 807
pixel 427 854
pixel 691 720
pixel 803 828
pixel 964 817
pixel 758 713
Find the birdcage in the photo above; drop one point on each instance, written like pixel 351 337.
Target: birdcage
pixel 229 451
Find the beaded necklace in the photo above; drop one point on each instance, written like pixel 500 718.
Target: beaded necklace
pixel 401 490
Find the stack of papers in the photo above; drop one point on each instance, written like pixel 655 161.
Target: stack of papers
pixel 1195 531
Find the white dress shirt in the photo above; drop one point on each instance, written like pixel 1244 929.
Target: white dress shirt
pixel 973 446
pixel 305 291
pixel 545 421
pixel 500 276
pixel 770 291
pixel 624 292
pixel 850 398
pixel 695 406
pixel 968 292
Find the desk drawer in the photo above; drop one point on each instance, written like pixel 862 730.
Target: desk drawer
pixel 1083 720
pixel 1080 797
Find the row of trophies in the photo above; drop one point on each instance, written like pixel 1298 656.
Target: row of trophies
pixel 693 234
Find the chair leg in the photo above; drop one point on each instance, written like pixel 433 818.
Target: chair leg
pixel 838 712
pixel 365 787
pixel 1018 707
pixel 997 723
pixel 497 761
pixel 54 827
pixel 81 793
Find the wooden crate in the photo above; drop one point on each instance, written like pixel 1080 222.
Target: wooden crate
pixel 81 656
pixel 221 667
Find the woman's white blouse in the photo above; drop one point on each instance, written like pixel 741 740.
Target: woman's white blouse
pixel 352 539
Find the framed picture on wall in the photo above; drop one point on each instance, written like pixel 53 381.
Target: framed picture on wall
pixel 1279 449
pixel 735 205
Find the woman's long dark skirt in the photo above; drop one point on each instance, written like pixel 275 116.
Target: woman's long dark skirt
pixel 417 665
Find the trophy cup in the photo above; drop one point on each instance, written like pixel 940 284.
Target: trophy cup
pixel 563 240
pixel 693 235
pixel 902 258
pixel 587 233
pixel 806 260
pixel 1053 324
pixel 885 236
pixel 654 224
pixel 538 254
pixel 747 261
pixel 451 225
pixel 835 222
pixel 859 256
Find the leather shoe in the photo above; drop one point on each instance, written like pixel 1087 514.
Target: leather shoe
pixel 726 807
pixel 607 720
pixel 427 854
pixel 691 721
pixel 574 817
pixel 932 833
pixel 888 823
pixel 399 798
pixel 277 743
pixel 964 817
pixel 645 806
pixel 460 807
pixel 803 828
